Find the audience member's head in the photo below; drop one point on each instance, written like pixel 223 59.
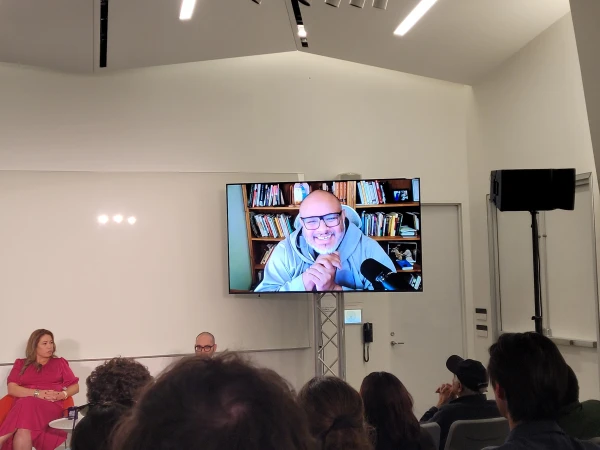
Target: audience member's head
pixel 389 409
pixel 214 404
pixel 112 389
pixel 118 380
pixel 529 376
pixel 470 376
pixel 205 345
pixel 572 394
pixel 335 414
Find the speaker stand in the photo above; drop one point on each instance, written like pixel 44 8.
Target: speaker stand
pixel 537 287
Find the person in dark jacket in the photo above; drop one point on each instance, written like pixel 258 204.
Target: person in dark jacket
pixel 530 379
pixel 389 410
pixel 580 420
pixel 464 399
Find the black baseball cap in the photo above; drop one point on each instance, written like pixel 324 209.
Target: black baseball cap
pixel 469 372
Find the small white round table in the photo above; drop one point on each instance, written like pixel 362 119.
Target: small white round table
pixel 63 424
pixel 67 425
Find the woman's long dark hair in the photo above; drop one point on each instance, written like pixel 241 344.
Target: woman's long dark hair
pixel 335 414
pixel 389 408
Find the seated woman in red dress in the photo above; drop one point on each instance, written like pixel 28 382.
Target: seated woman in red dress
pixel 40 383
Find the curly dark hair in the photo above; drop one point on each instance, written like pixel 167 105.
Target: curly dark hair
pixel 117 381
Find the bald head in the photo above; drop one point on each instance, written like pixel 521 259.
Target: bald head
pixel 205 344
pixel 319 203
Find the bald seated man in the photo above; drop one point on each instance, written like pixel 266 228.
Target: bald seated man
pixel 324 253
pixel 205 345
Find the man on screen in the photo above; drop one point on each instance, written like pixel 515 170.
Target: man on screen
pixel 324 253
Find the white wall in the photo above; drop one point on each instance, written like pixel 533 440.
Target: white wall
pixel 529 113
pixel 585 18
pixel 291 112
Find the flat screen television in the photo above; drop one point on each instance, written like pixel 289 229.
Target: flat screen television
pixel 325 236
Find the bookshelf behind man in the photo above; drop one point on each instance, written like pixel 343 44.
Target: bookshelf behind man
pixel 270 214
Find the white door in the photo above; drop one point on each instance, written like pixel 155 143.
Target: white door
pixel 430 324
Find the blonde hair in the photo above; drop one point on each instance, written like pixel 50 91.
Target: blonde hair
pixel 31 349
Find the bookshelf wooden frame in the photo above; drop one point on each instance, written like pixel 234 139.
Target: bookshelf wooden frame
pixel 256 245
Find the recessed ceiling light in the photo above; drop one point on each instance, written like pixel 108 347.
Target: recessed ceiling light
pixel 301 31
pixel 103 219
pixel 118 218
pixel 187 9
pixel 415 15
pixel 357 3
pixel 380 4
pixel 131 220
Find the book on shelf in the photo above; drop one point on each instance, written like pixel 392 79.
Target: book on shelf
pixel 371 192
pixel 381 224
pixel 267 253
pixel 337 188
pixel 407 231
pixel 413 221
pixel 404 264
pixel 261 194
pixel 416 191
pixel 271 225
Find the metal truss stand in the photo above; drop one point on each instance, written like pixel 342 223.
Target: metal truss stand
pixel 330 338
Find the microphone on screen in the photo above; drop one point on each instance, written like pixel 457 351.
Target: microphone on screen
pixel 377 273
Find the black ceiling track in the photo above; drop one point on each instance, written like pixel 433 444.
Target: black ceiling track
pixel 298 16
pixel 103 32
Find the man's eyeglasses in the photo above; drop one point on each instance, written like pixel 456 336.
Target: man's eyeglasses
pixel 312 223
pixel 203 348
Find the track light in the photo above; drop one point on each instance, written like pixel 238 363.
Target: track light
pixel 380 4
pixel 414 16
pixel 357 3
pixel 335 3
pixel 301 31
pixel 187 9
pixel 305 2
pixel 257 1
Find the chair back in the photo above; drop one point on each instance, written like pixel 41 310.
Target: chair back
pixel 6 404
pixel 477 434
pixel 434 430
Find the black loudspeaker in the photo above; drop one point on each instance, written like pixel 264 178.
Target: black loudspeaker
pixel 533 189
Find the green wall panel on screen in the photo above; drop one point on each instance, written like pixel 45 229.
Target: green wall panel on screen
pixel 239 255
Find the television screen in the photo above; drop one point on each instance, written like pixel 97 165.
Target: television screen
pixel 325 236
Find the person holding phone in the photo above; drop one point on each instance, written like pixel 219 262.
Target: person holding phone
pixel 40 382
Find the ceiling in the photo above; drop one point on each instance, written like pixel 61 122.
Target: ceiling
pixel 458 40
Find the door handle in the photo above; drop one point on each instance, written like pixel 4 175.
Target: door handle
pixel 394 343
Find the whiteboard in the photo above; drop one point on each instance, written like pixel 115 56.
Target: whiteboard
pixel 571 269
pixel 133 290
pixel 516 271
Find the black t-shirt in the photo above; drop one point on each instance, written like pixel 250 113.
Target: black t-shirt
pixel 93 432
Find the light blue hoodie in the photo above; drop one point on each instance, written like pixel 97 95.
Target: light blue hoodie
pixel 293 256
